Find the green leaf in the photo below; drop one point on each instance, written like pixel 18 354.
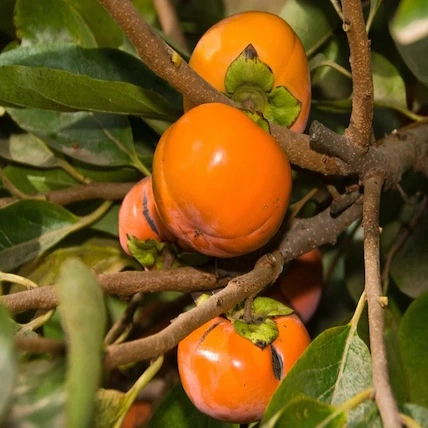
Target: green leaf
pixel 334 368
pixel 313 22
pixel 32 180
pixel 39 396
pixel 104 28
pixel 7 362
pixel 305 412
pixel 176 410
pixel 93 138
pixel 69 78
pixel 6 17
pixel 85 325
pixel 412 336
pixel 29 150
pixel 29 228
pixel 409 29
pixel 45 22
pixel 418 413
pixel 110 408
pixel 409 267
pixel 389 87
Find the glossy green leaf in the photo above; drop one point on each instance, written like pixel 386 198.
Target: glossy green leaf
pixel 47 21
pixel 29 150
pixel 105 30
pixel 84 325
pixel 33 180
pixel 389 88
pixel 305 412
pixel 69 77
pixel 94 138
pixel 109 409
pixel 313 22
pixel 6 17
pixel 409 29
pixel 7 362
pixel 334 368
pixel 176 410
pixel 409 267
pixel 39 396
pixel 412 336
pixel 30 227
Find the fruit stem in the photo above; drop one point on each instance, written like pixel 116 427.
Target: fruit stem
pixel 248 310
pixel 250 97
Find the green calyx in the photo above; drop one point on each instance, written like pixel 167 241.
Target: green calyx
pixel 149 253
pixel 262 329
pixel 249 82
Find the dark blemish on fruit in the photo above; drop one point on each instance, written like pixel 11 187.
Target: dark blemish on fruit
pixel 277 363
pixel 146 215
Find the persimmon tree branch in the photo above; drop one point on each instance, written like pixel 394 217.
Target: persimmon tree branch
pixel 360 125
pixel 68 195
pixel 373 288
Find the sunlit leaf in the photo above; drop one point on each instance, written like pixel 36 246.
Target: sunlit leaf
pixel 334 368
pixel 39 396
pixel 46 21
pixel 412 335
pixel 30 227
pixel 84 324
pixel 7 362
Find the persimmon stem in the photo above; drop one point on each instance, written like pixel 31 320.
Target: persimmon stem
pixel 248 309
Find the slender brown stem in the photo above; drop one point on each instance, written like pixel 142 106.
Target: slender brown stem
pixel 360 125
pixel 40 345
pixel 373 288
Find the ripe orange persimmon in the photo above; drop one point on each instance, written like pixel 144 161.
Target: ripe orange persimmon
pixel 138 216
pixel 221 183
pixel 231 379
pixel 275 43
pixel 301 285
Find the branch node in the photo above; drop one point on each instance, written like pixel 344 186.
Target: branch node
pixel 383 301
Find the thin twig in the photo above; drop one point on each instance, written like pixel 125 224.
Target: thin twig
pixel 360 125
pixel 169 22
pixel 384 396
pixel 40 345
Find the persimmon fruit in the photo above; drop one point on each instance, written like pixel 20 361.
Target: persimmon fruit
pixel 138 216
pixel 231 379
pixel 221 183
pixel 275 44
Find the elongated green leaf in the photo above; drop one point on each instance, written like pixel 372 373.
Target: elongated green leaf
pixel 38 396
pixel 409 29
pixel 176 410
pixel 94 138
pixel 28 228
pixel 28 149
pixel 7 362
pixel 106 31
pixel 84 324
pixel 412 336
pixel 47 21
pixel 305 412
pixel 418 413
pixel 69 78
pixel 313 21
pixel 33 180
pixel 334 368
pixel 409 267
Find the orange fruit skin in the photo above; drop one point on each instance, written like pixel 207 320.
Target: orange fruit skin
pixel 221 183
pixel 138 215
pixel 276 44
pixel 228 377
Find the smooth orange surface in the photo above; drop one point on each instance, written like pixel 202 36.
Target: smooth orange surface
pixel 222 185
pixel 302 284
pixel 276 44
pixel 230 378
pixel 137 207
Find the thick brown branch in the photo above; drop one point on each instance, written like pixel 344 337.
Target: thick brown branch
pixel 68 195
pixel 266 271
pixel 360 125
pixel 373 288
